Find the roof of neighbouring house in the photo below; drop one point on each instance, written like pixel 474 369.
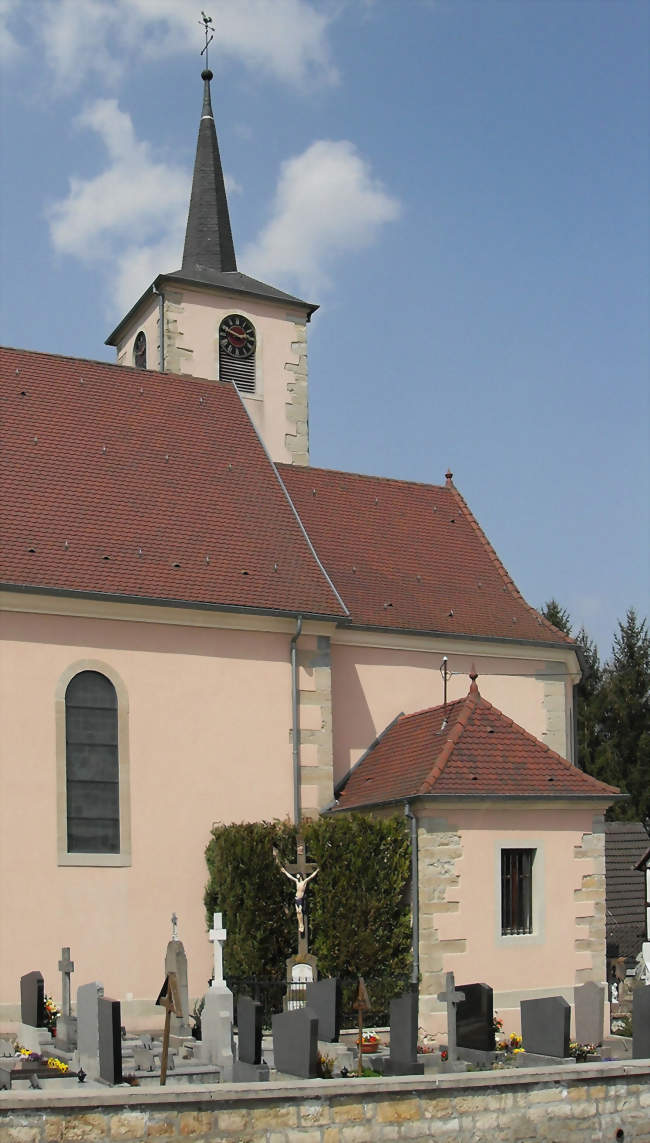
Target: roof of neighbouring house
pixel 626 843
pixel 465 749
pixel 130 483
pixel 411 557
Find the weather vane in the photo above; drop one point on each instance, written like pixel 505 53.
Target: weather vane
pixel 209 35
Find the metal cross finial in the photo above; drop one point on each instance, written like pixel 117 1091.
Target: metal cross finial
pixel 174 920
pixel 208 28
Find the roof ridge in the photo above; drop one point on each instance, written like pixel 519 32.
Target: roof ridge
pixel 361 475
pixel 470 702
pixel 500 567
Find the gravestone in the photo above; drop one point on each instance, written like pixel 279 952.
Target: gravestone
pixel 545 1026
pixel 66 1025
pixel 475 1018
pixel 33 1033
pixel 451 998
pixel 641 1022
pixel 403 1059
pixel 88 997
pixel 176 962
pixel 324 997
pixel 216 1044
pixel 589 1008
pixel 248 1065
pixel 295 1043
pixel 110 1040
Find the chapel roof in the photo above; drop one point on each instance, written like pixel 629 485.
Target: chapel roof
pixel 466 749
pixel 411 557
pixel 129 483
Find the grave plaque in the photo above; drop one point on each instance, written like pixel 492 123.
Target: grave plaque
pixel 324 997
pixel 110 1040
pixel 641 1022
pixel 545 1026
pixel 589 1005
pixel 475 1018
pixel 295 1043
pixel 32 999
pixel 403 1060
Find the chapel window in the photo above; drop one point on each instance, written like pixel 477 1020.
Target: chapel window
pixel 237 345
pixel 140 350
pixel 92 765
pixel 517 891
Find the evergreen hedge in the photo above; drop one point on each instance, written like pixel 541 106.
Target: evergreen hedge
pixel 358 905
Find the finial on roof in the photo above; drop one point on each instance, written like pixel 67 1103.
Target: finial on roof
pixel 449 476
pixel 207 27
pixel 473 689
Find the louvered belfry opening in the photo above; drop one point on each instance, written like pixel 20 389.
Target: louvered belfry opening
pixel 92 770
pixel 517 891
pixel 241 373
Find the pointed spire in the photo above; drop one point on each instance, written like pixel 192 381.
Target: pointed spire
pixel 208 238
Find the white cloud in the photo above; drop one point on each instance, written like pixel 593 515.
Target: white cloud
pixel 9 45
pixel 284 38
pixel 327 203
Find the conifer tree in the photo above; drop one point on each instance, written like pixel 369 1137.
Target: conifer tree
pixel 557 615
pixel 588 704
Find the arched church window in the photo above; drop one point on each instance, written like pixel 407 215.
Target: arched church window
pixel 92 766
pixel 140 350
pixel 237 344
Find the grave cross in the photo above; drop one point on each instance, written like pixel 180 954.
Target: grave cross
pixel 451 998
pixel 66 968
pixel 217 935
pixel 174 920
pixel 305 868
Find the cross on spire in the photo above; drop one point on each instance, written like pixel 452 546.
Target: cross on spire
pixel 208 28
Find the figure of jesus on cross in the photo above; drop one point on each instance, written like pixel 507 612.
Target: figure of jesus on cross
pixel 301 875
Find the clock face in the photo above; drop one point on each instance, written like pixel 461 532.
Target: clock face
pixel 237 336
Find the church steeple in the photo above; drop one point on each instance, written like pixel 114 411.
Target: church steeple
pixel 208 237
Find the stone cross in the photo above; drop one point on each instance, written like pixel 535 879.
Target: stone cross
pixel 66 968
pixel 303 867
pixel 217 935
pixel 174 920
pixel 451 998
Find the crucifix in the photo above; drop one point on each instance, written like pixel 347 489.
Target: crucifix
pixel 174 920
pixel 66 968
pixel 207 27
pixel 217 935
pixel 300 873
pixel 451 998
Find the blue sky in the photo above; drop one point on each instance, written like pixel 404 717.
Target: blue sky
pixel 461 184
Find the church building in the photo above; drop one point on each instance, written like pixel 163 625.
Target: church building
pixel 200 626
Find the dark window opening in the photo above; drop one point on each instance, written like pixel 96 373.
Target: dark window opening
pixel 517 891
pixel 92 772
pixel 140 350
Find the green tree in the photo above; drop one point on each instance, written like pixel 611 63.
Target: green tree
pixel 557 615
pixel 588 702
pixel 623 756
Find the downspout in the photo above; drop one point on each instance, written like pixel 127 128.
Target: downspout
pixel 415 902
pixel 161 326
pixel 295 722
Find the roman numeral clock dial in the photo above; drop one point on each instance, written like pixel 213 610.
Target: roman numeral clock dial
pixel 237 336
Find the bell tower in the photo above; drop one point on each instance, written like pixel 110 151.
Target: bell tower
pixel 210 320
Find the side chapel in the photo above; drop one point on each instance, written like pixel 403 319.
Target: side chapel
pixel 199 625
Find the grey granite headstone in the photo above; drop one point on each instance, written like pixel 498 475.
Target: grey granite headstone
pixel 545 1026
pixel 249 1029
pixel 295 1043
pixel 88 997
pixel 176 961
pixel 475 1018
pixel 403 1059
pixel 110 1040
pixel 641 1022
pixel 32 999
pixel 324 997
pixel 589 1006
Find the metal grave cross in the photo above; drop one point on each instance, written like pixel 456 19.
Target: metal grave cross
pixel 305 868
pixel 451 998
pixel 218 936
pixel 66 968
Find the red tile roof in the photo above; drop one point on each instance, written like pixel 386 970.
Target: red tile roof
pixel 140 484
pixel 411 557
pixel 470 749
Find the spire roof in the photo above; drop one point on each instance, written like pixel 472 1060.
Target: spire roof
pixel 208 237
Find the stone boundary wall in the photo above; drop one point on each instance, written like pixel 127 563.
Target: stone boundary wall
pixel 553 1105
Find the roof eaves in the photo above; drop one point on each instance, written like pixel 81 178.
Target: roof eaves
pixel 437 633
pixel 480 799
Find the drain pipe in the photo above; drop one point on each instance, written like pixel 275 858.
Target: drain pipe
pixel 294 718
pixel 415 905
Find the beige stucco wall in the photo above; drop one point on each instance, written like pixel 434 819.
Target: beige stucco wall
pixel 375 677
pixel 460 906
pixel 279 407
